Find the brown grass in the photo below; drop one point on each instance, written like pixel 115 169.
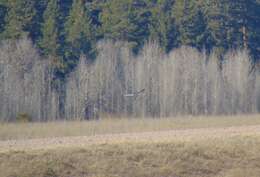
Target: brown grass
pixel 10 131
pixel 226 157
pixel 216 151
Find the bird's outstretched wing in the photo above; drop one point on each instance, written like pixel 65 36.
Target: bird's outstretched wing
pixel 129 95
pixel 135 94
pixel 141 91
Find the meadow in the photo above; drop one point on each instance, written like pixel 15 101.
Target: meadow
pixel 109 125
pixel 223 146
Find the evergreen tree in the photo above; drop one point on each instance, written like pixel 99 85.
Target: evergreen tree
pixel 37 21
pixel 163 27
pixel 65 29
pixel 79 30
pixel 243 20
pixel 237 23
pixel 18 19
pixel 3 11
pixel 234 24
pixel 126 20
pixel 252 27
pixel 49 41
pixel 191 24
pixel 216 15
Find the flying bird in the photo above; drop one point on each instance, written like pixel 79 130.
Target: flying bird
pixel 135 94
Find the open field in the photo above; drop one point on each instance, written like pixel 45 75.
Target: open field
pixel 10 131
pixel 231 153
pixel 190 147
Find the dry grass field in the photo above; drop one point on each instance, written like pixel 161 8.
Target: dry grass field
pixel 10 131
pixel 236 156
pixel 180 147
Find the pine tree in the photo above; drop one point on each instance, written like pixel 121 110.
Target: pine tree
pixel 79 30
pixel 191 24
pixel 163 27
pixel 237 23
pixel 49 41
pixel 127 21
pixel 216 15
pixel 2 17
pixel 234 24
pixel 18 19
pixel 243 22
pixel 252 27
pixel 37 21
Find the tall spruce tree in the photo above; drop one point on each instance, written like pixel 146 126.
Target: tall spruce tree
pixel 237 23
pixel 163 27
pixel 3 11
pixel 244 15
pixel 80 33
pixel 49 41
pixel 234 24
pixel 37 21
pixel 18 18
pixel 67 28
pixel 192 27
pixel 252 27
pixel 127 20
pixel 216 15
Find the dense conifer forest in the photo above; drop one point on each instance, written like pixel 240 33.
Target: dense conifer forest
pixel 64 29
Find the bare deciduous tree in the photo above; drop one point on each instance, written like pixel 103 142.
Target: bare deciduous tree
pixel 25 82
pixel 183 82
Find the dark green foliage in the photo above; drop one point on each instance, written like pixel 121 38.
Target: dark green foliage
pixel 37 21
pixel 3 11
pixel 127 21
pixel 163 27
pixel 244 23
pixel 65 29
pixel 191 23
pixel 215 12
pixel 18 18
pixel 49 41
pixel 234 24
pixel 79 30
pixel 253 27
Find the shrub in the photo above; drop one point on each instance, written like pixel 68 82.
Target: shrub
pixel 23 117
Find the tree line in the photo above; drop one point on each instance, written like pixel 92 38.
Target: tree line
pixel 185 81
pixel 65 29
pixel 75 59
